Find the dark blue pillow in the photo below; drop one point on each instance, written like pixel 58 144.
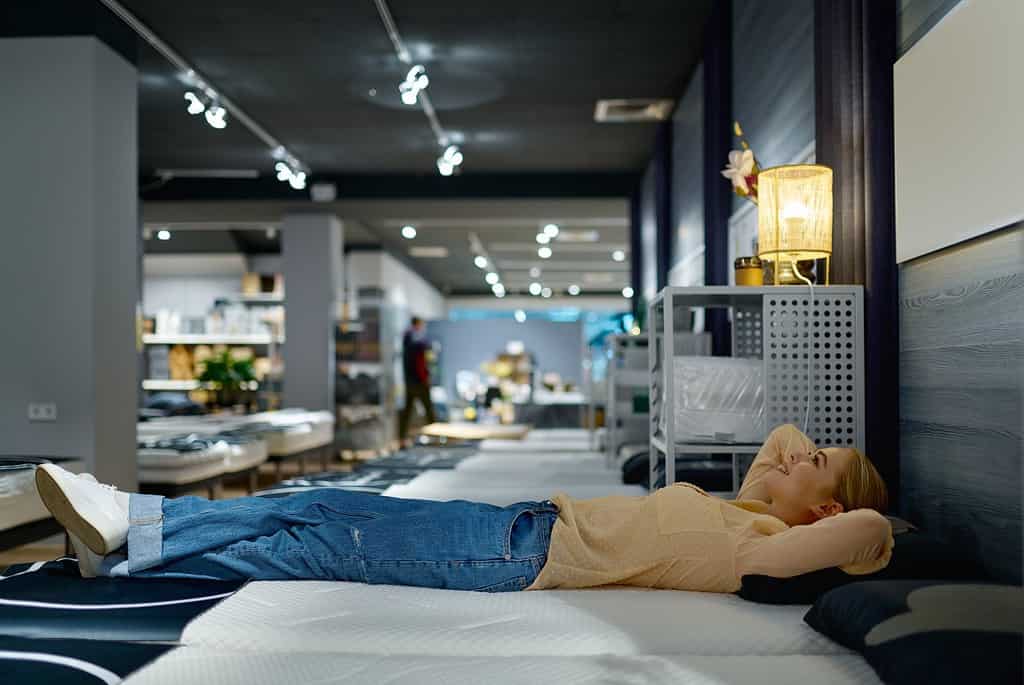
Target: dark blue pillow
pixel 935 632
pixel 914 556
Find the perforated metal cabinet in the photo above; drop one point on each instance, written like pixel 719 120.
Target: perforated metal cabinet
pixel 627 373
pixel 788 328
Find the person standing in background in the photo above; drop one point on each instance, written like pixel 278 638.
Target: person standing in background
pixel 417 377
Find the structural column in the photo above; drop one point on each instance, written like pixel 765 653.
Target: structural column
pixel 718 83
pixel 855 48
pixel 68 267
pixel 311 251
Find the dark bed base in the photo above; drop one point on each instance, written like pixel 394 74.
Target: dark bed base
pixel 325 453
pixel 29 532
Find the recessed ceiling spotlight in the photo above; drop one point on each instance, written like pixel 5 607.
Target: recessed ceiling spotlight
pixel 520 315
pixel 544 252
pixel 498 289
pixel 543 238
pixel 535 288
pixel 619 256
pixel 534 272
pixel 217 116
pixel 546 292
pixel 491 278
pixel 163 234
pixel 574 290
pixel 627 292
pixel 480 261
pixel 408 232
pixel 551 230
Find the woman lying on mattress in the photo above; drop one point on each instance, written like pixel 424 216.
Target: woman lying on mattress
pixel 800 509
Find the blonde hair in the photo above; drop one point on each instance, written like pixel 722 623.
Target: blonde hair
pixel 860 486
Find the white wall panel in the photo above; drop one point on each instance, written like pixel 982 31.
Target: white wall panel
pixel 959 149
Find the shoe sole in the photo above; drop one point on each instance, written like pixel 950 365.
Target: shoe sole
pixel 64 511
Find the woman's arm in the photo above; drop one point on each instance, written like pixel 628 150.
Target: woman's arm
pixel 858 542
pixel 783 441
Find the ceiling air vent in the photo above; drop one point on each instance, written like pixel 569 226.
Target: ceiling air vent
pixel 429 252
pixel 632 110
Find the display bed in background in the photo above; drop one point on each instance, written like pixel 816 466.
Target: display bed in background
pixel 23 518
pixel 475 431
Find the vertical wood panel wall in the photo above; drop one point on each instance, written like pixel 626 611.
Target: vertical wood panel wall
pixel 773 77
pixel 961 368
pixel 687 211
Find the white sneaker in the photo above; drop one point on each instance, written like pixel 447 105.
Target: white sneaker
pixel 95 513
pixel 88 561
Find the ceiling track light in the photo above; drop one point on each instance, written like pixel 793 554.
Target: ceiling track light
pixel 416 81
pixel 217 116
pixel 450 160
pixel 413 89
pixel 199 87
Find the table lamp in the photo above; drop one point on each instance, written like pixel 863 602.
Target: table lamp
pixel 794 215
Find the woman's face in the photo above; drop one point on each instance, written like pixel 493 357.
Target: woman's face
pixel 801 487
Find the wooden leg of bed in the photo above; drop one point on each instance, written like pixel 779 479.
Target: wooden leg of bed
pixel 325 453
pixel 254 477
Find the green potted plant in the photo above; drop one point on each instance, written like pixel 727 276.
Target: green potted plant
pixel 228 377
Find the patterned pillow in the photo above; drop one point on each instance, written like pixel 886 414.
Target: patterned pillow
pixel 935 632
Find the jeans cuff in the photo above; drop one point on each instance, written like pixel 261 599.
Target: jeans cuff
pixel 145 531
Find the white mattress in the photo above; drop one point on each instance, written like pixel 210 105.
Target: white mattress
pixel 533 444
pixel 539 461
pixel 202 665
pixel 504 494
pixel 245 456
pixel 181 475
pixel 333 617
pixel 442 479
pixel 162 458
pixel 298 438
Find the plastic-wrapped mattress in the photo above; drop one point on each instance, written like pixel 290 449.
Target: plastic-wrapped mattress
pixel 19 501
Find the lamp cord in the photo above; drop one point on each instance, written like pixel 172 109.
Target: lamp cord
pixel 810 287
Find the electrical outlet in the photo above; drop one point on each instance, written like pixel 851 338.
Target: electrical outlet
pixel 42 411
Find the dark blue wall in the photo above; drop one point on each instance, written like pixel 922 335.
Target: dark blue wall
pixel 687 196
pixel 773 78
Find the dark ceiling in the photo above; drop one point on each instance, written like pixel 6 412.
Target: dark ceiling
pixel 518 80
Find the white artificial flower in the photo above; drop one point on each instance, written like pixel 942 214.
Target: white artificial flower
pixel 741 165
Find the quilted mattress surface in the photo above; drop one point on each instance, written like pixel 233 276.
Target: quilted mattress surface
pixel 501 494
pixel 315 616
pixel 201 665
pixel 535 461
pixel 550 478
pixel 551 444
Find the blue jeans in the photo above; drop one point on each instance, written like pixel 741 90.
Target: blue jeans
pixel 332 534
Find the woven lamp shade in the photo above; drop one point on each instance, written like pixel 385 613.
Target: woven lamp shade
pixel 794 213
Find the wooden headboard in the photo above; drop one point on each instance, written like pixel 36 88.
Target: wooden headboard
pixel 961 386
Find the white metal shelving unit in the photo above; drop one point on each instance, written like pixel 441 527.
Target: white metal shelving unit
pixel 792 331
pixel 625 375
